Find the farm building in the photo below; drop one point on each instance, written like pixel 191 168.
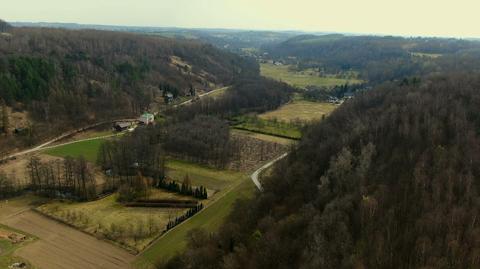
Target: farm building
pixel 147 119
pixel 122 126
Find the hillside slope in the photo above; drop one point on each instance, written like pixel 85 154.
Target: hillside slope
pixel 389 180
pixel 66 78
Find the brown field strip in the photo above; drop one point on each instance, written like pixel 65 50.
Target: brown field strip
pixel 62 247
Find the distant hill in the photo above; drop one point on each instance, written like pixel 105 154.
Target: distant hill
pixel 4 26
pixel 231 39
pixel 378 58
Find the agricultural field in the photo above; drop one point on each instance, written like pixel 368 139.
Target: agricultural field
pixel 210 219
pixel 300 110
pixel 131 227
pixel 212 179
pixel 87 149
pixel 268 127
pixel 302 79
pixel 61 247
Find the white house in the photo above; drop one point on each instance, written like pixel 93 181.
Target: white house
pixel 147 119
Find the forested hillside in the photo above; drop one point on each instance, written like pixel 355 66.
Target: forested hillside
pixel 389 180
pixel 66 78
pixel 377 58
pixel 4 26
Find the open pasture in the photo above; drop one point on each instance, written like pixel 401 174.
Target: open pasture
pixel 302 79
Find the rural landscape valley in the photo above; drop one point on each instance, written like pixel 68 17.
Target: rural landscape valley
pixel 202 145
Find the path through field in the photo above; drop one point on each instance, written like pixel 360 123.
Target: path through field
pixel 62 247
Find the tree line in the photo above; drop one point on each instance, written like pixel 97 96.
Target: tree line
pixel 71 178
pixel 378 58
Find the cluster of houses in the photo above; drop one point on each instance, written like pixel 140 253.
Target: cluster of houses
pixel 339 101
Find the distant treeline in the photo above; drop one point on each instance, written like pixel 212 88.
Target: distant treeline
pixel 379 59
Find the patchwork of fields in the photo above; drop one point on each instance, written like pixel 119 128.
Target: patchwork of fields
pixel 104 233
pixel 302 79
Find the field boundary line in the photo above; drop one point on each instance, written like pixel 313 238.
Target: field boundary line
pixel 265 133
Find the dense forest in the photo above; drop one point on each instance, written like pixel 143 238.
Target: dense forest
pixel 4 26
pixel 247 94
pixel 378 58
pixel 389 180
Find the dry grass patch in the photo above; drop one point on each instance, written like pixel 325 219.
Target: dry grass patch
pixel 132 228
pixel 300 111
pixel 61 247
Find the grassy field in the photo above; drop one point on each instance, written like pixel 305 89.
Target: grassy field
pixel 268 127
pixel 7 248
pixel 87 149
pixel 300 110
pixel 209 219
pixel 133 228
pixel 210 178
pixel 301 79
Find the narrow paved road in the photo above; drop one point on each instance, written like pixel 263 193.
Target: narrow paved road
pixel 58 138
pixel 255 174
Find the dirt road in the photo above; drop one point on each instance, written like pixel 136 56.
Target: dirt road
pixel 62 247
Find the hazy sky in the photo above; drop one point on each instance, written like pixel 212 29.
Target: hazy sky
pixel 459 18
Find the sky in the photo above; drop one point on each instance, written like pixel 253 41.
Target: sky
pixel 444 18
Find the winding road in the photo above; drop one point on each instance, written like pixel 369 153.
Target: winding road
pixel 255 174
